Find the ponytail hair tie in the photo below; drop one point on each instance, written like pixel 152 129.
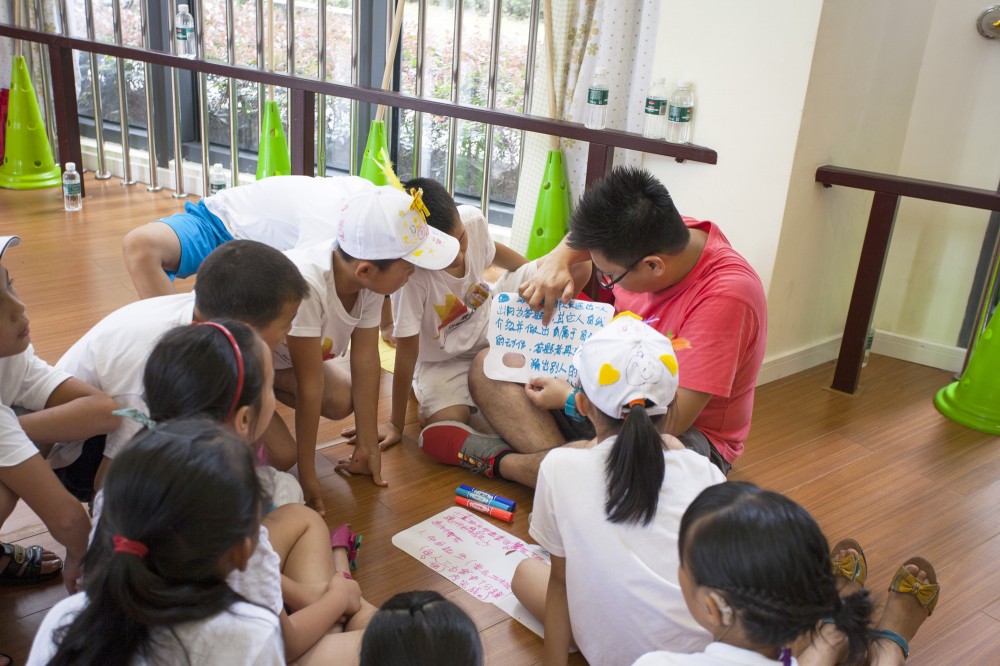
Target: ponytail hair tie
pixel 126 545
pixel 137 415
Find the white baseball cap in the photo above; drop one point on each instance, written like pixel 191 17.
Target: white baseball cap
pixel 625 362
pixel 387 223
pixel 8 241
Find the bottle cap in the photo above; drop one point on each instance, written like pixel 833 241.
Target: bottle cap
pixel 70 166
pixel 683 84
pixel 217 166
pixel 181 9
pixel 600 71
pixel 659 82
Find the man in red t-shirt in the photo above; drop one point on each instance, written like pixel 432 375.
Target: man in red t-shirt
pixel 682 277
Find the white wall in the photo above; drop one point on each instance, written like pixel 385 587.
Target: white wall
pixel 953 136
pixel 749 67
pixel 861 90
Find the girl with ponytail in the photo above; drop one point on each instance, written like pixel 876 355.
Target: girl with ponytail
pixel 182 506
pixel 608 510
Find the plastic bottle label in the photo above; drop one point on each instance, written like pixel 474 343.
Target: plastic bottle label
pixel 182 33
pixel 215 188
pixel 656 107
pixel 597 96
pixel 679 114
pixel 71 189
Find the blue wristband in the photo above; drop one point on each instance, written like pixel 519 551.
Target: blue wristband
pixel 570 407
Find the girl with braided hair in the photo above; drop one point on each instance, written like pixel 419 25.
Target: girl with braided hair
pixel 755 571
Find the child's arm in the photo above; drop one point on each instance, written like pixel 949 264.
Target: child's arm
pixel 507 259
pixel 366 374
pixel 307 365
pixel 75 410
pixel 558 631
pixel 402 380
pixel 303 629
pixel 34 482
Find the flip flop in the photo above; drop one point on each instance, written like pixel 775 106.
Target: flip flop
pixel 343 537
pixel 852 567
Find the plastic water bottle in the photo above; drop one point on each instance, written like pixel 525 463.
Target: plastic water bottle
pixel 72 199
pixel 869 339
pixel 656 111
pixel 216 179
pixel 597 100
pixel 679 112
pixel 185 43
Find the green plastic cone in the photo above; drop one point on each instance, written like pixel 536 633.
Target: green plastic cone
pixel 373 150
pixel 27 159
pixel 974 400
pixel 272 154
pixel 552 210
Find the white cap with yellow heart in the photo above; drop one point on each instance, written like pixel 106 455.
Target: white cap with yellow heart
pixel 628 363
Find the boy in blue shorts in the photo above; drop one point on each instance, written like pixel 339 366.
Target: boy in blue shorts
pixel 281 211
pixel 382 236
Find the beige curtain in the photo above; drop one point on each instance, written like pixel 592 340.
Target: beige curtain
pixel 618 35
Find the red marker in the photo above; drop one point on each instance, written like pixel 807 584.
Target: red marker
pixel 506 516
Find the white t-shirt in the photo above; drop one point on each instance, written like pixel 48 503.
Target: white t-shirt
pixel 450 314
pixel 259 584
pixel 25 381
pixel 621 580
pixel 321 314
pixel 285 211
pixel 716 654
pixel 112 356
pixel 241 634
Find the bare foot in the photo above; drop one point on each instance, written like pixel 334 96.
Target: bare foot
pixel 903 615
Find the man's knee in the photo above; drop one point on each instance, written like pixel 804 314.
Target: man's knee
pixel 337 405
pixel 139 245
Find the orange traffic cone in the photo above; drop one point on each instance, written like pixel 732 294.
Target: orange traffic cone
pixel 27 160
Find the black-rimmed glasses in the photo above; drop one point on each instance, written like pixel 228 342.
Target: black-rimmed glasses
pixel 607 281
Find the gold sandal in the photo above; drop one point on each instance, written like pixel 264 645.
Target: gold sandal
pixel 853 567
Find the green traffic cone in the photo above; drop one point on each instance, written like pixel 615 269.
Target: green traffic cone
pixel 373 150
pixel 27 159
pixel 272 153
pixel 552 210
pixel 974 400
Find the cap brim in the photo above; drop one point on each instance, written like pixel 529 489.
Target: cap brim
pixel 436 252
pixel 8 241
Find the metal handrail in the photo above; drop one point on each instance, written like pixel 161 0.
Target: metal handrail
pixel 603 138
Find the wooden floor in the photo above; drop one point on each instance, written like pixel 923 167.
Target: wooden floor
pixel 883 467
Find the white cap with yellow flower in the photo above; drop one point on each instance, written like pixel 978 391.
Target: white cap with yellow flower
pixel 390 223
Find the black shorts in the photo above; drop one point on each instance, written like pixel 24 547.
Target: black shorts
pixel 692 438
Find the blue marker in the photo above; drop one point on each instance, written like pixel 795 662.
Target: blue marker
pixel 486 498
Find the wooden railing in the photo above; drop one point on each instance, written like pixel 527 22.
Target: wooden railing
pixel 888 189
pixel 303 93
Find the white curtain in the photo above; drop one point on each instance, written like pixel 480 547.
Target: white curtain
pixel 618 35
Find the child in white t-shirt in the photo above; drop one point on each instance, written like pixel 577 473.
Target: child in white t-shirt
pixel 58 406
pixel 756 573
pixel 609 512
pixel 243 280
pixel 441 316
pixel 155 588
pixel 382 237
pixel 281 211
pixel 223 370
